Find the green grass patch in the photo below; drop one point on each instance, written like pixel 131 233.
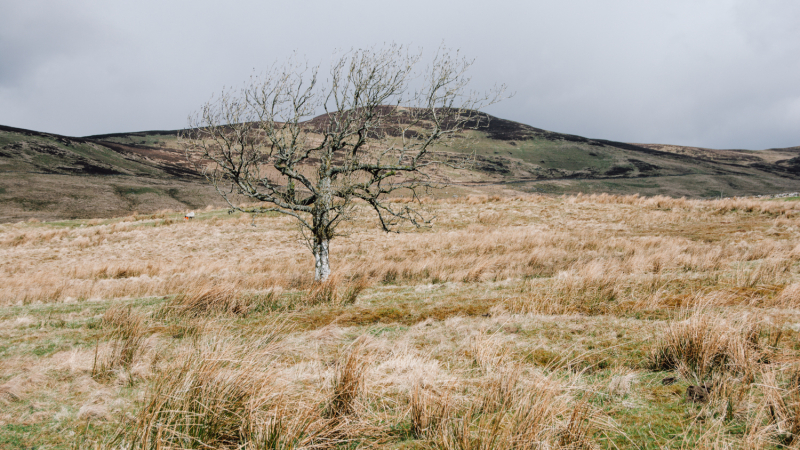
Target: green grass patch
pixel 18 436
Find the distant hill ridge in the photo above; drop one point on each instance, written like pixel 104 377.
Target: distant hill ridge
pixel 48 176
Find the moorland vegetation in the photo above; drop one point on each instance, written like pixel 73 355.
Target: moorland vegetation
pixel 520 322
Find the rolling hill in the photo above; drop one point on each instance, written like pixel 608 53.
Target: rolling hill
pixel 48 176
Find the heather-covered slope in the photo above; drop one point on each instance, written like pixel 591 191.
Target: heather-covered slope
pixel 49 176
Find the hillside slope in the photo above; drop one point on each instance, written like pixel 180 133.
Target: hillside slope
pixel 535 160
pixel 50 176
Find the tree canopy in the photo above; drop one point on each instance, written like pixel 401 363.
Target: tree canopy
pixel 376 118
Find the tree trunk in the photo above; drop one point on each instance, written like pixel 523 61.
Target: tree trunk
pixel 321 223
pixel 322 268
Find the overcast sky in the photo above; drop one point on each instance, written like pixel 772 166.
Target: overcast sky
pixel 710 73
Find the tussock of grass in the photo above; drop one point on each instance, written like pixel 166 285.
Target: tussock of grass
pixel 224 395
pixel 510 414
pixel 127 334
pixel 207 400
pixel 335 291
pixel 428 412
pixel 209 298
pixel 348 382
pixel 704 345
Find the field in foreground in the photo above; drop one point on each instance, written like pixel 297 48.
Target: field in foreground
pixel 535 322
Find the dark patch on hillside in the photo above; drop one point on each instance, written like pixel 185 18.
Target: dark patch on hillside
pixel 507 130
pixel 492 165
pixel 791 165
pixel 137 134
pixel 618 171
pixel 643 166
pixel 170 161
pixel 87 168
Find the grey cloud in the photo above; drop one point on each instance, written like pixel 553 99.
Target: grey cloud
pixel 33 34
pixel 713 73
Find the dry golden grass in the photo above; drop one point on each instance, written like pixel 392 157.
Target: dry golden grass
pixel 582 239
pixel 127 336
pixel 513 323
pixel 703 345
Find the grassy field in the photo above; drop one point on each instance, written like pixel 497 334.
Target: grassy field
pixel 528 323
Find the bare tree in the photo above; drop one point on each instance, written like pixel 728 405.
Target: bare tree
pixel 381 120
